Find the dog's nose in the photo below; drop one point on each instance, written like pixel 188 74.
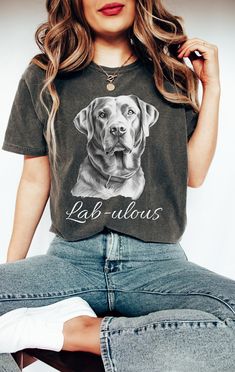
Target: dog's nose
pixel 117 130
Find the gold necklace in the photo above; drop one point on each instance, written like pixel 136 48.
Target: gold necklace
pixel 110 77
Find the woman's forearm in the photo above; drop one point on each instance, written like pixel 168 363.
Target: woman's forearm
pixel 202 144
pixel 31 200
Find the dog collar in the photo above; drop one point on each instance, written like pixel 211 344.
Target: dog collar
pixel 109 176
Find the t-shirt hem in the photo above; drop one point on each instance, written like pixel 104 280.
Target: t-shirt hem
pixel 85 236
pixel 146 240
pixel 23 150
pixel 81 237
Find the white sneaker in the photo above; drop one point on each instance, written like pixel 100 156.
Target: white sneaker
pixel 63 310
pixel 39 327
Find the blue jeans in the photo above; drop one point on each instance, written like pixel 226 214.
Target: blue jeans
pixel 175 316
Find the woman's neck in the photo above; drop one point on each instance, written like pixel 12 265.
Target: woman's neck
pixel 113 52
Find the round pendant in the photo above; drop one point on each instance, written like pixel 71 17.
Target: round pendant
pixel 110 86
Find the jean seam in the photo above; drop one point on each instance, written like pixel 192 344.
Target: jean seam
pixel 172 324
pixel 104 244
pixel 181 294
pixel 105 344
pixel 9 297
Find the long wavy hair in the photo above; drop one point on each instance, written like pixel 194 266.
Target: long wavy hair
pixel 66 45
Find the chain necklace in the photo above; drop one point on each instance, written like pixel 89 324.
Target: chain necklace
pixel 110 77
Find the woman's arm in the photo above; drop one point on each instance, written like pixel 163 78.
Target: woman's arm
pixel 32 195
pixel 202 144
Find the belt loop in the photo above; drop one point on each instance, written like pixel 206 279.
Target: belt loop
pixel 109 253
pixel 112 238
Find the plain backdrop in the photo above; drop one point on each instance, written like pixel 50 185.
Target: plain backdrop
pixel 209 236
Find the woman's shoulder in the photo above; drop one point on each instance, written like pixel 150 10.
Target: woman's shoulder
pixel 33 75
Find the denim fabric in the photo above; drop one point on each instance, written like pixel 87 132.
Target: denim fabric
pixel 175 316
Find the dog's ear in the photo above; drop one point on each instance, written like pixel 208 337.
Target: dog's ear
pixel 148 114
pixel 83 121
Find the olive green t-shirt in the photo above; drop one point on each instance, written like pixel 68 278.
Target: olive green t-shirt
pixel 122 153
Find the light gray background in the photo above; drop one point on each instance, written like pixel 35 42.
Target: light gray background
pixel 209 236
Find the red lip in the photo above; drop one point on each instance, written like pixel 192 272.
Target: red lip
pixel 111 5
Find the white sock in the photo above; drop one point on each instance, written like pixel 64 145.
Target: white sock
pixel 40 327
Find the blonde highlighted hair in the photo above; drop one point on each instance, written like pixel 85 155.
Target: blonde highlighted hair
pixel 66 43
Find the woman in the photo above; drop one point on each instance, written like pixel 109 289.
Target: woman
pixel 108 120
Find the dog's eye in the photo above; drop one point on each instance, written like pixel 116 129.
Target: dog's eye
pixel 101 114
pixel 130 112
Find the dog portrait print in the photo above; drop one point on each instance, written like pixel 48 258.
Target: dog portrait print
pixel 116 129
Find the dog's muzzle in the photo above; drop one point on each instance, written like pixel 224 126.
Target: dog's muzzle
pixel 117 130
pixel 118 147
pixel 117 139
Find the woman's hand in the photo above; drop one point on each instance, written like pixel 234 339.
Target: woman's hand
pixel 206 67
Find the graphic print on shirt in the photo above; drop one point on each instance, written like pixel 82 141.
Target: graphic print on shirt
pixel 116 130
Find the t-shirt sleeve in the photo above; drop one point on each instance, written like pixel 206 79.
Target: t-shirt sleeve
pixel 191 120
pixel 24 131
